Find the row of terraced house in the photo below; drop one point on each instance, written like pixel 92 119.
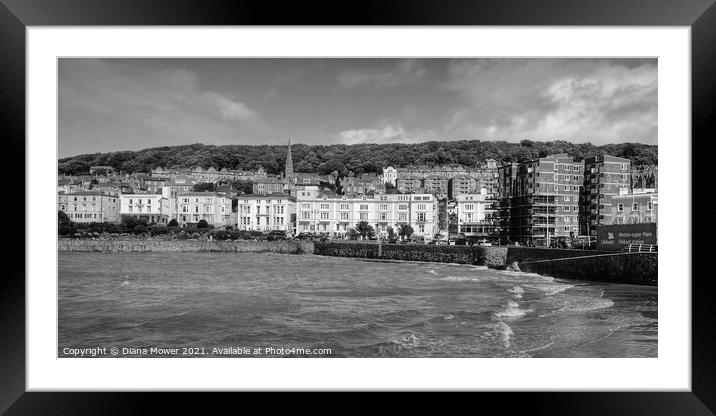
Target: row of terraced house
pixel 529 202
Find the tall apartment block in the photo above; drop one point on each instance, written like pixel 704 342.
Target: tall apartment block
pixel 539 199
pixel 604 178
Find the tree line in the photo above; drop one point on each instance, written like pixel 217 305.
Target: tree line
pixel 346 159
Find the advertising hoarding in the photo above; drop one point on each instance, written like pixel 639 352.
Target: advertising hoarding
pixel 616 237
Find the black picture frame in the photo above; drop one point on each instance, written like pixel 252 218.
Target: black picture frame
pixel 700 15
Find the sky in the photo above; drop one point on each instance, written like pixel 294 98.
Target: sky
pixel 113 104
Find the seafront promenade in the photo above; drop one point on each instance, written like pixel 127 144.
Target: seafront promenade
pixel 591 265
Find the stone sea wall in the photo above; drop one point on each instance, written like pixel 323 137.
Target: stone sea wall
pixel 158 245
pixel 631 268
pixel 591 265
pixel 521 254
pixel 490 256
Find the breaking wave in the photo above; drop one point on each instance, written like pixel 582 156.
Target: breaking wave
pixel 516 291
pixel 512 310
pixel 506 333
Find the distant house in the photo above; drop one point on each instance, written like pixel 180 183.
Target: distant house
pixel 266 212
pixel 153 208
pixel 211 207
pixel 89 206
pixel 269 185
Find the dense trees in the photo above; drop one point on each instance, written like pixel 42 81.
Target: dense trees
pixel 405 231
pixel 64 224
pixel 364 229
pixel 205 187
pixel 243 186
pixel 358 158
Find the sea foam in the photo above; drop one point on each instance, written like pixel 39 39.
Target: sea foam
pixel 512 311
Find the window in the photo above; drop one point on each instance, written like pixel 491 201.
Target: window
pixel 620 207
pixel 421 228
pixel 344 215
pixel 635 207
pixel 325 206
pixel 305 205
pixel 556 177
pixel 567 198
pixel 364 207
pixel 402 206
pixel 345 206
pixel 383 216
pixel 324 215
pixel 556 167
pixel 363 215
pixel 422 207
pixel 469 207
pixel 421 216
pixel 402 216
pixel 649 206
pixel 383 207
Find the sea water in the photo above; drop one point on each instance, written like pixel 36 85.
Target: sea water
pixel 350 307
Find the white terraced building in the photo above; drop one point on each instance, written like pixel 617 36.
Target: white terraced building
pixel 266 212
pixel 319 211
pixel 475 214
pixel 154 208
pixel 193 207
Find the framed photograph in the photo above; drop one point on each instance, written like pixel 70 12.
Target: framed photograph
pixel 428 199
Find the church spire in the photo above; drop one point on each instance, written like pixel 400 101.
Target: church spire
pixel 289 163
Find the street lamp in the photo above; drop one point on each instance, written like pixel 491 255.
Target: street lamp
pixel 380 244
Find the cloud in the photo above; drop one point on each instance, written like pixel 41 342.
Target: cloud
pixel 229 109
pixel 385 134
pixel 600 100
pixel 405 72
pixel 389 130
pixel 103 99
